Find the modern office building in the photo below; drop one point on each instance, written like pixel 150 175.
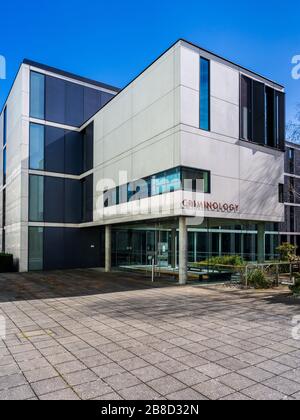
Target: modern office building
pixel 290 229
pixel 84 162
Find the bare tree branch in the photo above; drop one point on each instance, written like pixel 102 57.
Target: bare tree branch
pixel 293 128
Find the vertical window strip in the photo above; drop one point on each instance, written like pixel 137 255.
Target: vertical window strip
pixel 204 94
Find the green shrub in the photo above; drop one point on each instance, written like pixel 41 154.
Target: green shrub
pixel 6 263
pixel 258 280
pixel 295 289
pixel 286 251
pixel 225 260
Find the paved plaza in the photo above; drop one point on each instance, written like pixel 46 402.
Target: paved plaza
pixel 83 334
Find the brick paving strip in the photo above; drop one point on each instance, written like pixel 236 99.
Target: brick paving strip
pixel 83 334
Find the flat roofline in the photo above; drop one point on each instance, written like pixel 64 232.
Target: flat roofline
pixel 230 62
pixel 181 40
pixel 70 75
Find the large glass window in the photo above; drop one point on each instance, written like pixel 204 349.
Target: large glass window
pixel 262 113
pixel 36 198
pixel 204 94
pixel 37 143
pixel 35 245
pixel 37 95
pixel 168 181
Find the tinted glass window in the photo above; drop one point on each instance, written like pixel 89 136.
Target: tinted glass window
pixel 73 153
pixel 74 104
pixel 54 149
pixel 92 102
pixel 204 94
pixel 55 100
pixel 36 198
pixel 54 200
pixel 35 246
pixel 36 146
pixel 87 199
pixel 54 253
pixel 258 112
pixel 88 147
pixel 37 95
pixel 73 201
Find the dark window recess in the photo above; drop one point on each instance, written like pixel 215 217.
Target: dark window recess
pixel 262 113
pixel 281 193
pixel 54 149
pixel 87 199
pixel 258 112
pixel 88 148
pixel 73 153
pixel 270 117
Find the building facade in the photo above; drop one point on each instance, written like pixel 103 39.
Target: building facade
pixel 88 170
pixel 290 229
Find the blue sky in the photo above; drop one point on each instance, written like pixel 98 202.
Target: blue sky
pixel 113 41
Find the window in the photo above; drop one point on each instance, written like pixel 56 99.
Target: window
pixel 281 193
pixel 204 94
pixel 246 108
pixel 161 183
pixel 4 166
pixel 35 248
pixel 291 190
pixel 36 146
pixel 37 95
pixel 262 113
pixel 291 161
pixel 36 198
pixel 195 180
pixel 4 126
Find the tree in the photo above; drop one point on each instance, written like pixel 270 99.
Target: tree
pixel 293 128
